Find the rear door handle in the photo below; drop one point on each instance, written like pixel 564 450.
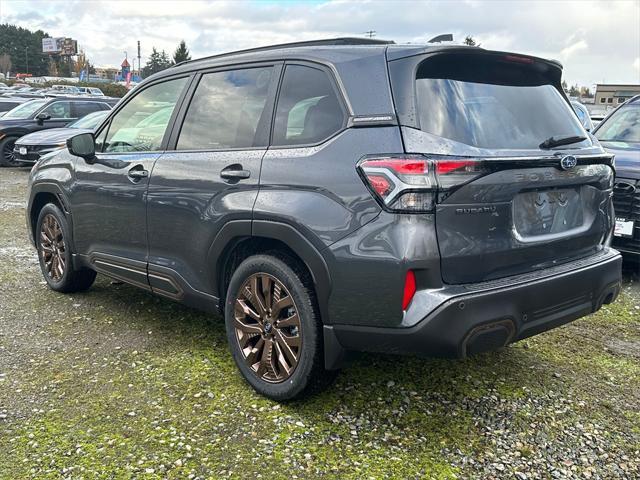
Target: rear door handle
pixel 235 172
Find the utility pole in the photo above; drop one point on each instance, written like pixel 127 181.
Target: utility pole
pixel 370 33
pixel 139 66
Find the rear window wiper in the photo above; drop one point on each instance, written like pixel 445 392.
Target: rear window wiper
pixel 561 140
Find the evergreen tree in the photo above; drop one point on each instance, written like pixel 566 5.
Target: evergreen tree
pixel 469 40
pixel 24 47
pixel 182 53
pixel 157 61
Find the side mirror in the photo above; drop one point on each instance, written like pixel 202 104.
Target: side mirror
pixel 41 117
pixel 83 145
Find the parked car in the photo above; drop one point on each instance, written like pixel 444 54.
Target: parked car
pixel 583 115
pixel 41 114
pixel 452 206
pixel 93 91
pixel 619 133
pixel 31 147
pixel 7 104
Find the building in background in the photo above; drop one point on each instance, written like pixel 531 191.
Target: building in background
pixel 107 73
pixel 611 95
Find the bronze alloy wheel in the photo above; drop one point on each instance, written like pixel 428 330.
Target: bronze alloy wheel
pixel 52 247
pixel 268 328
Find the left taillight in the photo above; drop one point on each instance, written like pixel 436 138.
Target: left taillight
pixel 410 183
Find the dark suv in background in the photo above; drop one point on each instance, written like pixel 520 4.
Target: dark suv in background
pixel 619 133
pixel 41 114
pixel 341 195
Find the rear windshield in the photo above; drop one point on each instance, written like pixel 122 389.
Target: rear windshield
pixel 491 104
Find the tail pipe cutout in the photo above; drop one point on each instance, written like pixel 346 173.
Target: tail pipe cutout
pixel 488 337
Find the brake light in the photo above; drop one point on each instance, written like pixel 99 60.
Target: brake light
pixel 411 183
pixel 409 289
pixel 518 59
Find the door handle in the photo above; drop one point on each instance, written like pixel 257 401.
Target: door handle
pixel 235 172
pixel 137 174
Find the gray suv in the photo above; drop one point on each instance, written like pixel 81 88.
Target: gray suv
pixel 340 195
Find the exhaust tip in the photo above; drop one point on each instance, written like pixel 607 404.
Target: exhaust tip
pixel 488 337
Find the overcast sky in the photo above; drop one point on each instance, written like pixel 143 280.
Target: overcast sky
pixel 597 41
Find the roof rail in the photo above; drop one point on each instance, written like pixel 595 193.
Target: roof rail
pixel 308 43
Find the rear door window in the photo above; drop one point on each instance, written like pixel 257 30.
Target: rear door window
pixel 226 110
pixel 490 103
pixel 85 108
pixel 309 110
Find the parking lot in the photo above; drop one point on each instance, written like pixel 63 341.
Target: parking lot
pixel 116 383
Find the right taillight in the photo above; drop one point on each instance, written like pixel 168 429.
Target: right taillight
pixel 411 183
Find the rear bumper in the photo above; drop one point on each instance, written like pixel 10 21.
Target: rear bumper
pixel 482 317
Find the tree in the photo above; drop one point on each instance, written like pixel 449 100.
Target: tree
pixel 24 47
pixel 574 91
pixel 469 40
pixel 585 92
pixel 157 61
pixel 182 53
pixel 565 87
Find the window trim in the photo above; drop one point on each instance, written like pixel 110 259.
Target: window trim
pixel 106 124
pixel 338 90
pixel 277 66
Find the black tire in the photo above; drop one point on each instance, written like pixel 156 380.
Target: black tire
pixel 69 279
pixel 309 374
pixel 6 153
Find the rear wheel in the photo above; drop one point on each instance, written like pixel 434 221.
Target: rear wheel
pixel 54 253
pixel 7 157
pixel 273 328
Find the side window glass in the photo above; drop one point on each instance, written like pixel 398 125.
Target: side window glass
pixel 85 108
pixel 308 108
pixel 140 125
pixel 225 110
pixel 59 110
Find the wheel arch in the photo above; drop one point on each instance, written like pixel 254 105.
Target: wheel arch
pixel 238 240
pixel 42 194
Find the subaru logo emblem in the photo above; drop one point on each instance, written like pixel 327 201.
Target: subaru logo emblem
pixel 568 162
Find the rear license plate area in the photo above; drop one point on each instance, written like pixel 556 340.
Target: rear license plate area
pixel 623 228
pixel 547 212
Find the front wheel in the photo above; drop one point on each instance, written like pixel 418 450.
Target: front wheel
pixel 54 253
pixel 273 327
pixel 7 157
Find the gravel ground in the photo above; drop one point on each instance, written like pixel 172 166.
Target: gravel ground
pixel 116 383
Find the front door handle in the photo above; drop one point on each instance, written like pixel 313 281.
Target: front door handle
pixel 138 174
pixel 235 172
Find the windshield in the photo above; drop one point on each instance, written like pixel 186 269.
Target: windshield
pixel 622 126
pixel 25 110
pixel 491 104
pixel 90 121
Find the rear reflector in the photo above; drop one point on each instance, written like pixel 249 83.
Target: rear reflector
pixel 409 289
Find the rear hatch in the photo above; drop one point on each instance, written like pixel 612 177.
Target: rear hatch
pixel 505 202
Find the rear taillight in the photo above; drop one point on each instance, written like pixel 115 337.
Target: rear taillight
pixel 411 183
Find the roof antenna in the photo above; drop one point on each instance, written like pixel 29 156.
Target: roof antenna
pixel 447 37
